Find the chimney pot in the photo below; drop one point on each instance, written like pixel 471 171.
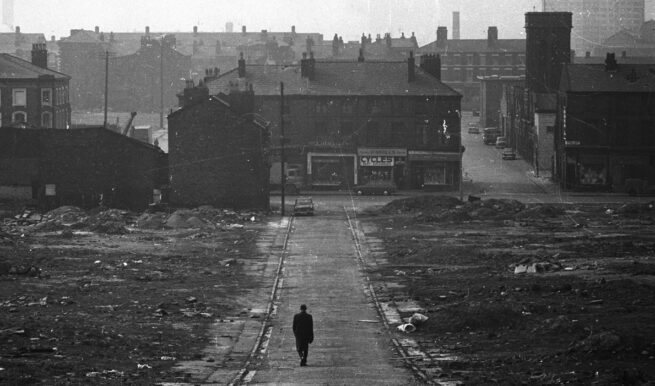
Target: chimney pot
pixel 97 29
pixel 195 30
pixel 147 30
pixel 442 36
pixel 243 29
pixel 17 29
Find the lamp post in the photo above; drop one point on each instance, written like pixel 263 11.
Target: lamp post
pixel 283 179
pixel 161 83
pixel 104 122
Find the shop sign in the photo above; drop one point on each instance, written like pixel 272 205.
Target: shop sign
pixel 374 160
pixel 367 151
pixel 425 155
pixel 572 143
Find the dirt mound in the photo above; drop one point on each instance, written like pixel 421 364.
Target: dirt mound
pixel 541 211
pixel 151 221
pixel 482 210
pixel 420 204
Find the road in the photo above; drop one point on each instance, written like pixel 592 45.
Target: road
pixel 351 346
pixel 485 172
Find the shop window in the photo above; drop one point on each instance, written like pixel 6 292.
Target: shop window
pixel 19 97
pixel 592 170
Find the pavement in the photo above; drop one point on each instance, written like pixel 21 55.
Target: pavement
pixel 351 346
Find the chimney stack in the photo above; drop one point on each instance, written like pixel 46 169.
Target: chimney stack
pixel 411 67
pixel 431 64
pixel 456 25
pixel 147 30
pixel 193 95
pixel 195 30
pixel 17 30
pixel 97 29
pixel 243 29
pixel 40 55
pixel 293 30
pixel 442 36
pixel 610 62
pixel 242 66
pixel 492 36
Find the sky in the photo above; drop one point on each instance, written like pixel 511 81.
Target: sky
pixel 348 18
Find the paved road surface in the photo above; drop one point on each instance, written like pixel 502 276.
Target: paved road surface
pixel 350 348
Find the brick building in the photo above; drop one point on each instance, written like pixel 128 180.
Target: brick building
pixel 528 112
pixel 31 95
pixel 464 60
pixel 605 139
pixel 82 56
pixel 135 80
pixel 491 91
pixel 353 123
pixel 218 151
pixel 596 20
pixel 79 167
pixel 19 44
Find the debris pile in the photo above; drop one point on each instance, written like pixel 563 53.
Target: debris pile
pixel 65 219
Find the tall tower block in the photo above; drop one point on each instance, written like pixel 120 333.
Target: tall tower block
pixel 547 48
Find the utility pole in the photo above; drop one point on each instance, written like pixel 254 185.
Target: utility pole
pixel 161 83
pixel 283 179
pixel 106 86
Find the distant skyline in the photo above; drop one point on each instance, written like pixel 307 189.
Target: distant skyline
pixel 348 18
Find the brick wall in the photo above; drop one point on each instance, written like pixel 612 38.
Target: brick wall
pixel 85 163
pixel 216 158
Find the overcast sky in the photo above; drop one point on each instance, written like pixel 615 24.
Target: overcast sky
pixel 348 18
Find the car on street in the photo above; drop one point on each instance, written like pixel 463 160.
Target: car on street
pixel 509 154
pixel 501 142
pixel 489 135
pixel 304 206
pixel 473 129
pixel 384 188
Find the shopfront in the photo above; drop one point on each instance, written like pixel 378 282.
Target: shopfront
pixel 434 170
pixel 381 166
pixel 331 170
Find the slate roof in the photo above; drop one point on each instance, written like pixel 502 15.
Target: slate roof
pixel 25 41
pixel 337 79
pixel 632 78
pixel 12 67
pixel 475 45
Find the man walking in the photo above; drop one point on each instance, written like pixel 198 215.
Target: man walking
pixel 303 330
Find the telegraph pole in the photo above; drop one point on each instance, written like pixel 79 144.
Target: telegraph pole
pixel 283 179
pixel 161 83
pixel 106 85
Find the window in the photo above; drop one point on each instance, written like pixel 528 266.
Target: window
pixel 46 96
pixel 46 120
pixel 19 97
pixel 19 117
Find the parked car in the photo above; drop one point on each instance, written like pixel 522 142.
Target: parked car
pixel 384 188
pixel 501 142
pixel 489 135
pixel 473 129
pixel 304 206
pixel 509 154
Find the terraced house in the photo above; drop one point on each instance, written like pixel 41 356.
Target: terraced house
pixel 31 95
pixel 352 123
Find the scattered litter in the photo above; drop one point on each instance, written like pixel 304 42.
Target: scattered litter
pixel 167 358
pixel 143 366
pixel 407 327
pixel 418 319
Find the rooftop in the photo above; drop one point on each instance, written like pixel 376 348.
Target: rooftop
pixel 634 78
pixel 336 78
pixel 12 67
